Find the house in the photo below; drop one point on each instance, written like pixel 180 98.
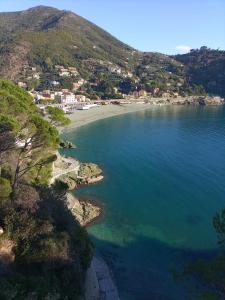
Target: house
pixel 73 71
pixel 64 73
pixel 66 97
pixel 81 98
pixel 77 85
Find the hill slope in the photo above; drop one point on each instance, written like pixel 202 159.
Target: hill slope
pixel 35 42
pixel 48 36
pixel 206 67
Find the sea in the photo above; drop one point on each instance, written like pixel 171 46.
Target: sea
pixel 164 182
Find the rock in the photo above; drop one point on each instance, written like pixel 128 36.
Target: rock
pixel 210 100
pixel 70 179
pixel 89 170
pixel 85 212
pixel 67 145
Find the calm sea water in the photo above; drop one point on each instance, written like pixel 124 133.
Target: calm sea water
pixel 164 181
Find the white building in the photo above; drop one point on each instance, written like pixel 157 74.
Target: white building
pixel 64 73
pixel 66 98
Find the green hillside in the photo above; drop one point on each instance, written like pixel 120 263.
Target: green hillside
pixel 205 67
pixel 34 42
pixel 44 253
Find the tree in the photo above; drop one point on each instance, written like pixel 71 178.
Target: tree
pixel 5 188
pixel 8 129
pixel 57 116
pixel 36 136
pixel 127 86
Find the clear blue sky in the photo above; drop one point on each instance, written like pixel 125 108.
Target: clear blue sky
pixel 168 26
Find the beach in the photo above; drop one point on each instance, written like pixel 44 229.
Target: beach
pixel 82 117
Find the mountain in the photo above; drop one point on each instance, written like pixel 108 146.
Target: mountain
pixel 37 46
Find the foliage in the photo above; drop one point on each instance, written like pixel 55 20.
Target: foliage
pixel 52 251
pixel 205 67
pixel 62 38
pixel 57 116
pixel 5 188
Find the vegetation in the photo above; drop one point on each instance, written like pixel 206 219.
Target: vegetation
pixel 57 116
pixel 49 251
pixel 205 67
pixel 62 38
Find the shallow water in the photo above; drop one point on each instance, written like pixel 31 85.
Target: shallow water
pixel 164 180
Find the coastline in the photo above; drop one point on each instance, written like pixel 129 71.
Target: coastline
pixel 99 284
pixel 82 118
pixel 86 211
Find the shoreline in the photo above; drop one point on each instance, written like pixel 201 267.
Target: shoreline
pixel 86 211
pixel 98 282
pixel 82 118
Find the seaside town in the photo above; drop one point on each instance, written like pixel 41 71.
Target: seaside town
pixel 76 98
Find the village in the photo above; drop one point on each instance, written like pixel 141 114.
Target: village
pixel 76 97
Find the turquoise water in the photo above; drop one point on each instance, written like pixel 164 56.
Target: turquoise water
pixel 164 180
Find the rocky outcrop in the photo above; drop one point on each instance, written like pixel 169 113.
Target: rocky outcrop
pixel 70 179
pixel 89 170
pixel 67 145
pixel 190 100
pixel 64 166
pixel 210 100
pixel 89 173
pixel 85 212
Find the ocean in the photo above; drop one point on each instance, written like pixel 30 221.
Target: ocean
pixel 164 181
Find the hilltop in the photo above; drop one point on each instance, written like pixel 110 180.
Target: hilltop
pixel 47 48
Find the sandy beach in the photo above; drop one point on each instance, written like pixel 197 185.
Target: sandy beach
pixel 82 117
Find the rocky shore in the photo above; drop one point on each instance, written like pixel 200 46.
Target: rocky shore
pixel 98 283
pixel 73 174
pixel 189 100
pixel 85 211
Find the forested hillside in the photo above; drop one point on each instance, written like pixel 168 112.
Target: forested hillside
pixel 35 44
pixel 205 67
pixel 44 253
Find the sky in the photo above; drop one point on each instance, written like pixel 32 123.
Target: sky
pixel 167 26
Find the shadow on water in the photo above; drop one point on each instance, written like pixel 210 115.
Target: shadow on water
pixel 171 160
pixel 155 279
